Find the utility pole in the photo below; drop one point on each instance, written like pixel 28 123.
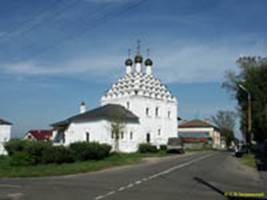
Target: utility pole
pixel 249 115
pixel 249 112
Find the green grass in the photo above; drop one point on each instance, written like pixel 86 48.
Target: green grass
pixel 71 168
pixel 249 160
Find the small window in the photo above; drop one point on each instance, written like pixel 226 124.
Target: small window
pixel 131 135
pixel 122 135
pixel 157 111
pixel 128 105
pixel 87 137
pixel 169 114
pixel 63 138
pixel 147 111
pixel 112 135
pixel 159 132
pixel 148 137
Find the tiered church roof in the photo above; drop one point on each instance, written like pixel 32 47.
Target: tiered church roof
pixel 137 82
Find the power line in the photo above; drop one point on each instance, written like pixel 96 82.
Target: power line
pixel 100 21
pixel 49 17
pixel 53 16
pixel 15 28
pixel 29 47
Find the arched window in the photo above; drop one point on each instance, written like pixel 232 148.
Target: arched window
pixel 87 137
pixel 169 114
pixel 147 111
pixel 128 105
pixel 131 135
pixel 159 132
pixel 122 135
pixel 63 138
pixel 157 111
pixel 148 137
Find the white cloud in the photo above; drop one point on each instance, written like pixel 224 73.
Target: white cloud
pixel 93 66
pixel 203 62
pixel 178 63
pixel 196 64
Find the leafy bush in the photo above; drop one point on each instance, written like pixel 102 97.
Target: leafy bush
pixel 89 151
pixel 105 151
pixel 3 157
pixel 57 154
pixel 36 150
pixel 15 145
pixel 4 162
pixel 163 147
pixel 25 153
pixel 147 148
pixel 78 150
pixel 21 159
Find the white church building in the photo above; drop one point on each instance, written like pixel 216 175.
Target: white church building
pixel 147 107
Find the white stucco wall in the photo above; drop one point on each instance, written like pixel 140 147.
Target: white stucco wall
pixel 214 134
pixel 151 124
pixel 5 135
pixel 100 131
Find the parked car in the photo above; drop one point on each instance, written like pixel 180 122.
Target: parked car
pixel 243 149
pixel 175 145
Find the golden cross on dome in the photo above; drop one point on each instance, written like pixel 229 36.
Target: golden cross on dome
pixel 148 52
pixel 138 46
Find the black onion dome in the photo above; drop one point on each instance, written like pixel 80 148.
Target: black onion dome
pixel 129 62
pixel 138 59
pixel 148 62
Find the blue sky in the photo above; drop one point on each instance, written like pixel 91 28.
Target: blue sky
pixel 57 53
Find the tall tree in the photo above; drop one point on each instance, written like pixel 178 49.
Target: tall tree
pixel 117 129
pixel 225 121
pixel 253 77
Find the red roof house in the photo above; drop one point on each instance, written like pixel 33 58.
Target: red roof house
pixel 39 135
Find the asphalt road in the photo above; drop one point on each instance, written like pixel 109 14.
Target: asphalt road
pixel 195 176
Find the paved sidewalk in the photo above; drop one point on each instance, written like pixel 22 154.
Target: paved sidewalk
pixel 263 178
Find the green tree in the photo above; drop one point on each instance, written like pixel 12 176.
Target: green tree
pixel 117 129
pixel 225 121
pixel 252 76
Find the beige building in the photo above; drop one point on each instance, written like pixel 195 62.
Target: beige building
pixel 200 131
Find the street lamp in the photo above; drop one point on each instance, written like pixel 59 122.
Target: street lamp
pixel 242 87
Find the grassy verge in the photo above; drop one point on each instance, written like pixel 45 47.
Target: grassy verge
pixel 71 168
pixel 249 160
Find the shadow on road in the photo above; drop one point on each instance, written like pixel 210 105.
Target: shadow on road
pixel 225 194
pixel 199 180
